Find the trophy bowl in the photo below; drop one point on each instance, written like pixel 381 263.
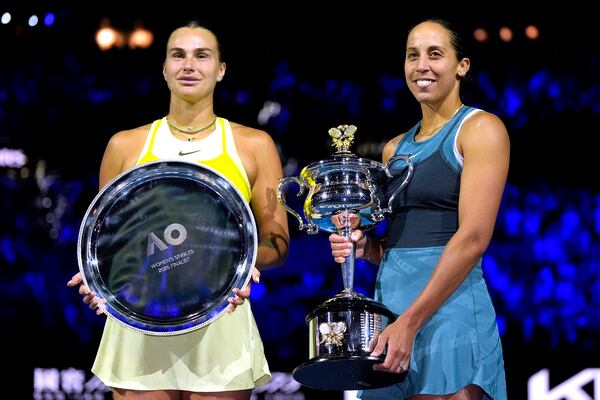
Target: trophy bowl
pixel 345 192
pixel 164 244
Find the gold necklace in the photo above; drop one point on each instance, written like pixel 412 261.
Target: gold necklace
pixel 189 130
pixel 437 128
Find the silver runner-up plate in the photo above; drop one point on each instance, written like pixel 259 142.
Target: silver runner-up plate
pixel 164 244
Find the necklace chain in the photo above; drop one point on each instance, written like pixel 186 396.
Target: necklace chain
pixel 189 131
pixel 437 128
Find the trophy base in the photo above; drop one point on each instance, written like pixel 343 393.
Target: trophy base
pixel 344 373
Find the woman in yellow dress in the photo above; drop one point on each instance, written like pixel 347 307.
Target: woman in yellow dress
pixel 225 359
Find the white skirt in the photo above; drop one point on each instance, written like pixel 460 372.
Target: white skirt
pixel 225 355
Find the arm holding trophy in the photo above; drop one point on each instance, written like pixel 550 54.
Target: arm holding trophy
pixel 343 192
pixel 445 338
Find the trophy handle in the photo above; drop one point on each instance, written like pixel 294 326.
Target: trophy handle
pixel 311 228
pixel 409 164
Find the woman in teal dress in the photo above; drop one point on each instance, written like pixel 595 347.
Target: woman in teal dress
pixel 445 337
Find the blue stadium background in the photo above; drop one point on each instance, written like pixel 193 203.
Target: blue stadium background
pixel 61 98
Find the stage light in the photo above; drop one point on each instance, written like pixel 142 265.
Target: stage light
pixel 532 32
pixel 6 17
pixel 107 36
pixel 140 37
pixel 33 20
pixel 49 19
pixel 506 34
pixel 12 158
pixel 480 35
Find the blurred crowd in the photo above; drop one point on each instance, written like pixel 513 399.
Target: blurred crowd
pixel 542 267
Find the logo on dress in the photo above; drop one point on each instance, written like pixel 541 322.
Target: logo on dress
pixel 182 153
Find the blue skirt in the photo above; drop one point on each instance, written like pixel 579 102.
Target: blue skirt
pixel 458 346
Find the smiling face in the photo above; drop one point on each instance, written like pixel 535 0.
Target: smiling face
pixel 192 66
pixel 431 68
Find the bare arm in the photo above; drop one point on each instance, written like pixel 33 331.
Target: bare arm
pixel 485 148
pixel 270 216
pixel 271 219
pixel 484 143
pixel 113 159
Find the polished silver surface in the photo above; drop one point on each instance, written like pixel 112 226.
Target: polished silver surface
pixel 345 192
pixel 343 331
pixel 164 244
pixel 346 326
pixel 345 184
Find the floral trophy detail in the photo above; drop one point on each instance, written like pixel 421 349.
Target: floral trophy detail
pixel 343 136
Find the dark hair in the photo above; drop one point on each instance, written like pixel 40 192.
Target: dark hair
pixel 455 38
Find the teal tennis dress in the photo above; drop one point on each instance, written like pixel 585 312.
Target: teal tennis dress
pixel 459 345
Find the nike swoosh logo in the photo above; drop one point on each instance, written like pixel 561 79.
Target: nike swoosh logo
pixel 416 154
pixel 181 153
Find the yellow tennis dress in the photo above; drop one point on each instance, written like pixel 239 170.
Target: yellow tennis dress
pixel 225 355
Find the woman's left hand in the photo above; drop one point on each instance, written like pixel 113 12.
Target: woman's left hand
pixel 242 294
pixel 398 337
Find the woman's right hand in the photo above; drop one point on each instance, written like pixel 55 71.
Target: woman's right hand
pixel 89 297
pixel 341 246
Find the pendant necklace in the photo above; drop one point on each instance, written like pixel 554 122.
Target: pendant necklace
pixel 437 128
pixel 190 133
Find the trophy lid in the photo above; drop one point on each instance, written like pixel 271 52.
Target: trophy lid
pixel 164 244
